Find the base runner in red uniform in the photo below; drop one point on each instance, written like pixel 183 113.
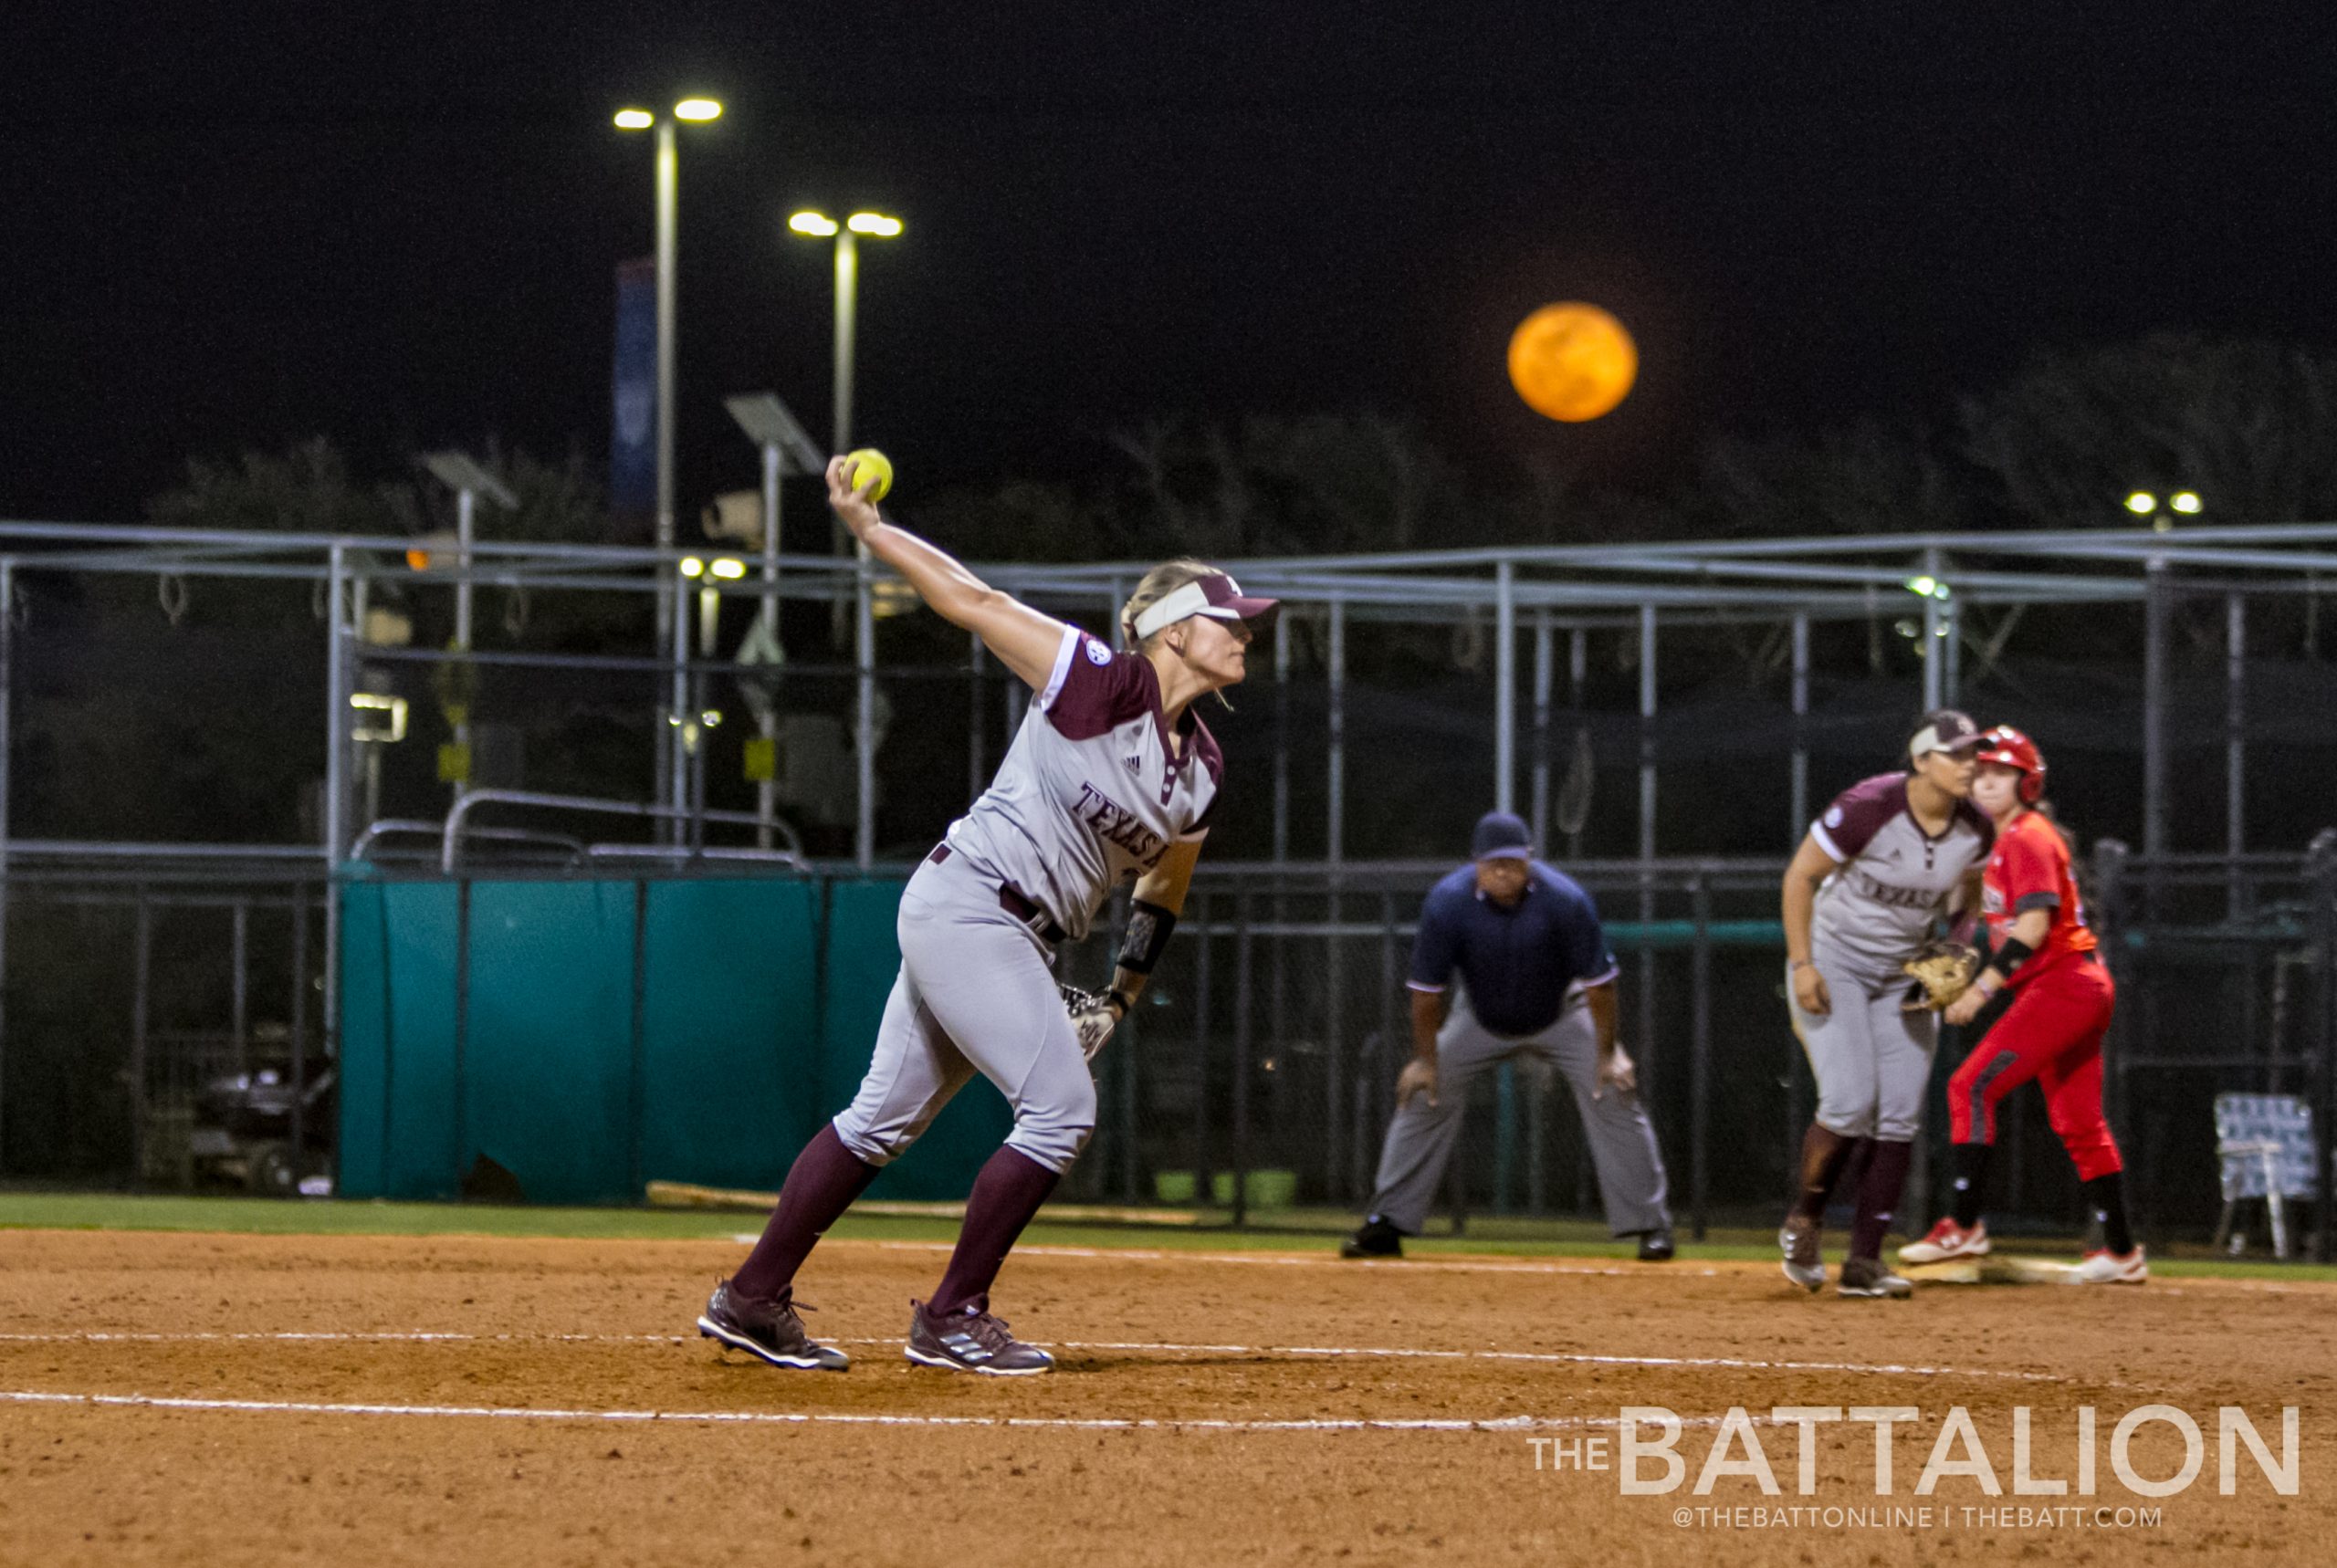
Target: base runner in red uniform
pixel 2042 952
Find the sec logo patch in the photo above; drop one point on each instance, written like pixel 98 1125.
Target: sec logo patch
pixel 1096 653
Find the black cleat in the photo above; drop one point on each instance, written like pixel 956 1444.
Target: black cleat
pixel 769 1330
pixel 1655 1245
pixel 1870 1276
pixel 1375 1238
pixel 971 1341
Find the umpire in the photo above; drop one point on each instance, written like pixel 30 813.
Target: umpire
pixel 1537 978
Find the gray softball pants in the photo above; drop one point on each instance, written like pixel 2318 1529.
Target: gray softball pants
pixel 1872 1061
pixel 1622 1143
pixel 975 994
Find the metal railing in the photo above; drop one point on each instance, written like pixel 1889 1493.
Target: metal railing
pixel 452 832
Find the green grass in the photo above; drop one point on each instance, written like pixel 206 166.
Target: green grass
pixel 1284 1230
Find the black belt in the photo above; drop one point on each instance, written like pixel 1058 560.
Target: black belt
pixel 1013 900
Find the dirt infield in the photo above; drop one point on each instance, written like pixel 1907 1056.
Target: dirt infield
pixel 253 1400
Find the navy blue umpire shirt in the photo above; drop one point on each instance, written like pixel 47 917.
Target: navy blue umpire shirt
pixel 1519 963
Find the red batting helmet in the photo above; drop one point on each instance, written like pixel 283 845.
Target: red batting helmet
pixel 2009 747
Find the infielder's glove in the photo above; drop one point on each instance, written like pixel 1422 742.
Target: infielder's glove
pixel 1942 971
pixel 1093 1016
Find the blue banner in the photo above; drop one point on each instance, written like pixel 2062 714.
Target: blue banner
pixel 633 443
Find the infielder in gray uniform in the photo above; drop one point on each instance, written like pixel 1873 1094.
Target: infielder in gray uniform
pixel 1888 857
pixel 1112 778
pixel 1541 983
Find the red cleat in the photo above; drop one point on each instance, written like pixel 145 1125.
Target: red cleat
pixel 1947 1242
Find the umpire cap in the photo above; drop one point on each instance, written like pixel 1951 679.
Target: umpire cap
pixel 1500 834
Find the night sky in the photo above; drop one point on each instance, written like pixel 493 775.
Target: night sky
pixel 231 226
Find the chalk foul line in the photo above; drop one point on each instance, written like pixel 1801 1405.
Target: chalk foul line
pixel 841 1419
pixel 1156 1347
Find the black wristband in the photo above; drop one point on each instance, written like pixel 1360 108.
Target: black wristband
pixel 2010 954
pixel 1147 936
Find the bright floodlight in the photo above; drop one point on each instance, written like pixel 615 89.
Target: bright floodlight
pixel 729 567
pixel 2142 502
pixel 697 108
pixel 692 566
pixel 819 225
pixel 634 120
pixel 2184 501
pixel 1922 586
pixel 874 224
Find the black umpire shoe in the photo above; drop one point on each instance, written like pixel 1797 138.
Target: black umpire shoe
pixel 971 1341
pixel 1655 1245
pixel 769 1329
pixel 1377 1239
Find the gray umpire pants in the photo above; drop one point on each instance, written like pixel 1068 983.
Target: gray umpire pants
pixel 1622 1143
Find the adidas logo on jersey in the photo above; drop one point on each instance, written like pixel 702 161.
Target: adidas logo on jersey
pixel 1135 762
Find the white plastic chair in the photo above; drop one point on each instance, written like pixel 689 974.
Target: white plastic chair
pixel 2265 1144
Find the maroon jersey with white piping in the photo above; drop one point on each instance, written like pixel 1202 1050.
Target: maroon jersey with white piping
pixel 1876 907
pixel 1092 791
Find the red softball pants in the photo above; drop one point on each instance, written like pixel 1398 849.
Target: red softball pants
pixel 2053 1033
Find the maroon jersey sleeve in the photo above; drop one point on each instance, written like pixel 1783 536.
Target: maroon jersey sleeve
pixel 1845 828
pixel 1093 689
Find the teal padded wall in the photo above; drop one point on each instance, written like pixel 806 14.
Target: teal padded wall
pixel 397 1038
pixel 618 1032
pixel 731 1048
pixel 364 1037
pixel 547 1040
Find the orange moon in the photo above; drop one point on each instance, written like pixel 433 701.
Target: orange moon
pixel 1572 362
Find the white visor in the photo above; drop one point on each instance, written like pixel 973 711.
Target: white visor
pixel 1217 596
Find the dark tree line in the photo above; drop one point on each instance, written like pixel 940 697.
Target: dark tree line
pixel 185 707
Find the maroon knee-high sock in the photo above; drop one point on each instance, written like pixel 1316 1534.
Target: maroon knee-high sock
pixel 821 1183
pixel 1886 1175
pixel 1823 1153
pixel 1006 1194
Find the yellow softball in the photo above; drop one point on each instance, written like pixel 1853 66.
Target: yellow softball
pixel 862 462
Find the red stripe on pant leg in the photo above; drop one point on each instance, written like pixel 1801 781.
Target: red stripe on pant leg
pixel 2042 1022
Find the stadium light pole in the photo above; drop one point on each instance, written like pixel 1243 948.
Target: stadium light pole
pixel 815 225
pixel 673 778
pixel 2157 613
pixel 847 235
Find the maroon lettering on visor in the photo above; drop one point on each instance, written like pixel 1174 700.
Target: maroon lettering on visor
pixel 1228 603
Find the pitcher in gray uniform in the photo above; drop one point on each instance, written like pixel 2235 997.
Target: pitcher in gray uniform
pixel 1112 778
pixel 1540 983
pixel 1885 860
